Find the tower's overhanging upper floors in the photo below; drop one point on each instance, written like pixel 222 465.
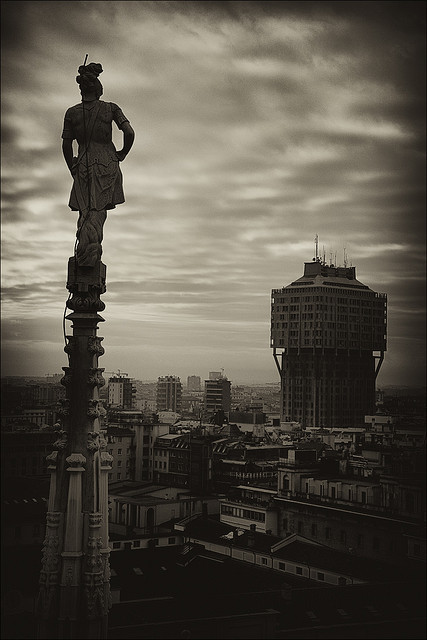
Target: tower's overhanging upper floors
pixel 328 308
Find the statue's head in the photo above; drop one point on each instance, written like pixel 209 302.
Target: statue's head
pixel 88 79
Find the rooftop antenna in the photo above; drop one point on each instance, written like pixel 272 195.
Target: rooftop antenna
pixel 345 258
pixel 324 256
pixel 316 247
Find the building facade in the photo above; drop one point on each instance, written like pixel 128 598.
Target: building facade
pixel 194 383
pixel 328 335
pixel 121 393
pixel 375 516
pixel 183 461
pixel 24 452
pixel 217 395
pixel 169 394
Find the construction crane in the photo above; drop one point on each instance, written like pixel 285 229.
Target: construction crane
pixel 117 373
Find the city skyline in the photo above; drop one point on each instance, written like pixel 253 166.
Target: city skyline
pixel 258 126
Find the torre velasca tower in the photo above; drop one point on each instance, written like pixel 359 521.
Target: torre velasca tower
pixel 328 335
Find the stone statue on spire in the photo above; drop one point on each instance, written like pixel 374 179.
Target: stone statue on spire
pixel 97 178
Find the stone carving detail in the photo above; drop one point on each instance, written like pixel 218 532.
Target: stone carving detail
pixel 50 566
pixel 66 380
pixel 51 460
pixel 94 592
pixel 102 440
pixel 93 556
pixel 95 520
pixel 64 410
pixel 61 443
pixel 108 601
pixel 106 460
pixel 93 411
pixel 94 581
pixel 71 345
pixel 95 378
pixel 93 441
pixel 94 346
pixel 86 302
pixel 94 570
pixel 53 518
pixel 50 556
pixel 75 461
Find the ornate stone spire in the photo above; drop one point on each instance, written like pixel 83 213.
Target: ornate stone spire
pixel 74 596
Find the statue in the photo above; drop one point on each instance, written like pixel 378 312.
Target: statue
pixel 97 179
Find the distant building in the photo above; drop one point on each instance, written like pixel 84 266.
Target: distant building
pixel 54 378
pixel 24 452
pixel 169 394
pixel 131 436
pixel 194 383
pixel 183 461
pixel 45 394
pixel 120 445
pixel 327 329
pixel 121 393
pixel 217 395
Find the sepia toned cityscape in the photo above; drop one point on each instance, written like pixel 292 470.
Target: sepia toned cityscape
pixel 241 453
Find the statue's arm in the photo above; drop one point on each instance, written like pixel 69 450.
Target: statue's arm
pixel 128 138
pixel 67 150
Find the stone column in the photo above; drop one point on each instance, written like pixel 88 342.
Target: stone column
pixel 72 553
pixel 106 460
pixel 74 583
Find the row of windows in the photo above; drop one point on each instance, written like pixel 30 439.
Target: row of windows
pixel 314 530
pixel 137 543
pixel 352 293
pixel 298 570
pixel 237 512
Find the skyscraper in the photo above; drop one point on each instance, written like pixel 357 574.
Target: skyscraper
pixel 169 394
pixel 327 332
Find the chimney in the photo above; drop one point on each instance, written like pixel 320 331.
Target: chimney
pixel 251 535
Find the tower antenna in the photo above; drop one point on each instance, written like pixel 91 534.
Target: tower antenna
pixel 316 247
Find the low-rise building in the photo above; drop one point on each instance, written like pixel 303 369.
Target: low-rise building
pixel 247 507
pixel 140 509
pixel 366 515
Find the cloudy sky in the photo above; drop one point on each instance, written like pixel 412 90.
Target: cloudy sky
pixel 258 125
